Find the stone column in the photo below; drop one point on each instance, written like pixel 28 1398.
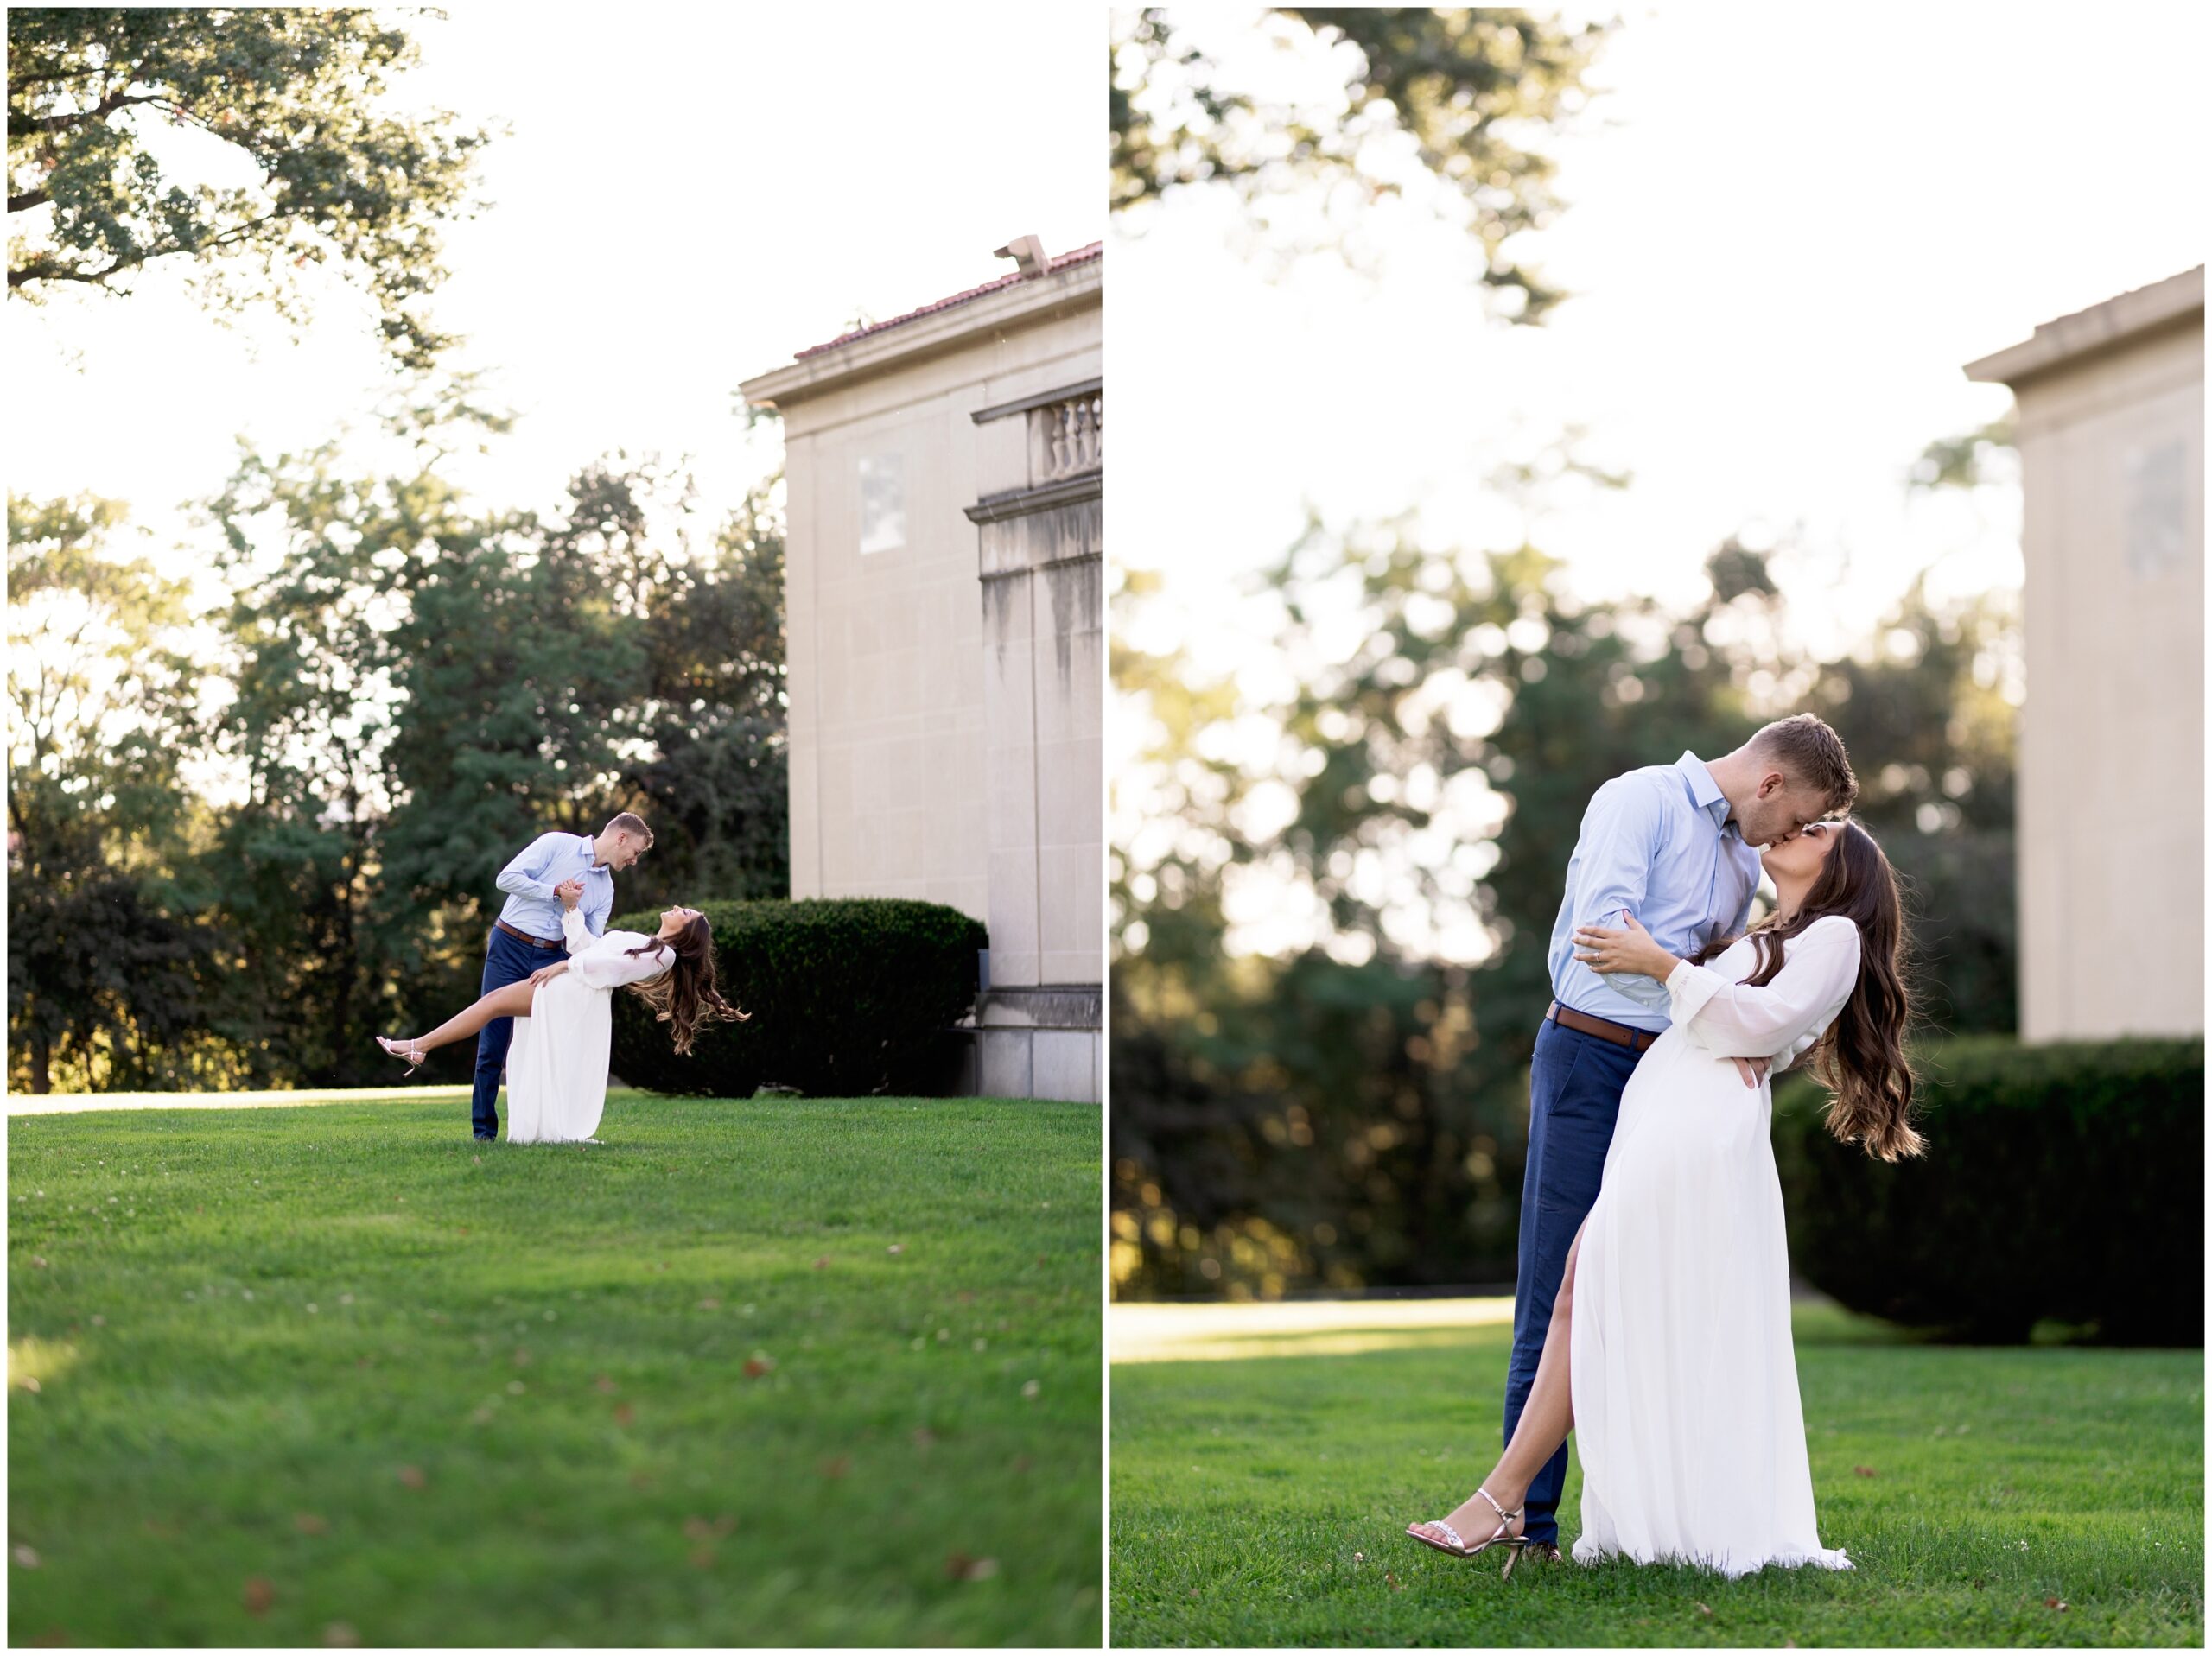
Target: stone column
pixel 1043 577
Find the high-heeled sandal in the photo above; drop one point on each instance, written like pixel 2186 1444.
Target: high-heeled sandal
pixel 412 1051
pixel 1498 1538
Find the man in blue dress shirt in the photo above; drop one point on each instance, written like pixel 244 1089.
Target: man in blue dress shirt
pixel 1676 846
pixel 527 935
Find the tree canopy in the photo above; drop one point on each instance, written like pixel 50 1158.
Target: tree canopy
pixel 404 688
pixel 1462 85
pixel 249 142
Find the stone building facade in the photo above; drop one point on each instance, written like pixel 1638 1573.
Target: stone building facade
pixel 2111 432
pixel 945 592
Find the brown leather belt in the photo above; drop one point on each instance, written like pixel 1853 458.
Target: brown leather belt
pixel 1604 1028
pixel 535 942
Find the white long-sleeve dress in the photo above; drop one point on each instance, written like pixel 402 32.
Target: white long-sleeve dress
pixel 557 1063
pixel 1687 1415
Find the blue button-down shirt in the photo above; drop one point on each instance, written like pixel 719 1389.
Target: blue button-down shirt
pixel 547 861
pixel 1655 843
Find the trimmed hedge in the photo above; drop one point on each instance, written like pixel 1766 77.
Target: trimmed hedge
pixel 2064 1181
pixel 849 996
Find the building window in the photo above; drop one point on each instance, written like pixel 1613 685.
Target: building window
pixel 883 502
pixel 2158 510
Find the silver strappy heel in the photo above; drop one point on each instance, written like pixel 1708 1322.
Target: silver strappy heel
pixel 1498 1538
pixel 408 1049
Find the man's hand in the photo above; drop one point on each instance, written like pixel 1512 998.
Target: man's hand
pixel 547 974
pixel 570 891
pixel 1753 1070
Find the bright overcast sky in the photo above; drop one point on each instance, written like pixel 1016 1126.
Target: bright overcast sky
pixel 688 195
pixel 1784 236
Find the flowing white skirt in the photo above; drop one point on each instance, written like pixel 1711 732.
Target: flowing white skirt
pixel 1687 1415
pixel 557 1063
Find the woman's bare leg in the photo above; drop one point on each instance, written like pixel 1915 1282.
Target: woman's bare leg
pixel 514 1001
pixel 1546 1419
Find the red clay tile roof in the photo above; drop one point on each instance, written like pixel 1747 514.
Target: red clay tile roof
pixel 1061 262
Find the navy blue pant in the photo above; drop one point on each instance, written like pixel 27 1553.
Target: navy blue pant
pixel 1574 1097
pixel 506 959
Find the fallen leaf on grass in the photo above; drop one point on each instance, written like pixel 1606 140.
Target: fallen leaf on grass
pixel 896 1247
pixel 821 1264
pixel 960 1567
pixel 1865 1471
pixel 1705 1609
pixel 342 1635
pixel 1029 1388
pixel 710 1305
pixel 1359 1557
pixel 606 1384
pixel 27 1557
pixel 39 1262
pixel 1393 1582
pixel 412 1477
pixel 923 1437
pixel 624 1414
pixel 2054 1604
pixel 836 1466
pixel 641 1480
pixel 522 1357
pixel 756 1366
pixel 308 1524
pixel 258 1596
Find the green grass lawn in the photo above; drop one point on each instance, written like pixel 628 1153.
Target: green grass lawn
pixel 1258 1502
pixel 773 1370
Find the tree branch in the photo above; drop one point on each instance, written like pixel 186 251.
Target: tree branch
pixel 18 124
pixel 27 200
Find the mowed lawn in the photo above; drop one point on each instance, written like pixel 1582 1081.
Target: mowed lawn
pixel 767 1371
pixel 2034 1496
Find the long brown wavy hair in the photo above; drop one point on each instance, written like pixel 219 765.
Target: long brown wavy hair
pixel 686 996
pixel 1861 1058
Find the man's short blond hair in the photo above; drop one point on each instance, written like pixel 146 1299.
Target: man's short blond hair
pixel 1806 750
pixel 635 825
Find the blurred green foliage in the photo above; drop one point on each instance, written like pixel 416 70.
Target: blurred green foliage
pixel 1460 87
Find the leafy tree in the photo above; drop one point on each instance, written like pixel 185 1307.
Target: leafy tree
pixel 1459 84
pixel 716 789
pixel 107 962
pixel 293 103
pixel 423 686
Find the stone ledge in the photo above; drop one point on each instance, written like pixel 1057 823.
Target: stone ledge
pixel 1076 1007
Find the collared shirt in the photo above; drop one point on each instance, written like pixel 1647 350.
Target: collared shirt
pixel 547 861
pixel 1655 843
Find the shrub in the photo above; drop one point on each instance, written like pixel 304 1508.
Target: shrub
pixel 2063 1181
pixel 849 996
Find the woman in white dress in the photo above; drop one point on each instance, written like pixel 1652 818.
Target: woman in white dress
pixel 1669 1350
pixel 557 1064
